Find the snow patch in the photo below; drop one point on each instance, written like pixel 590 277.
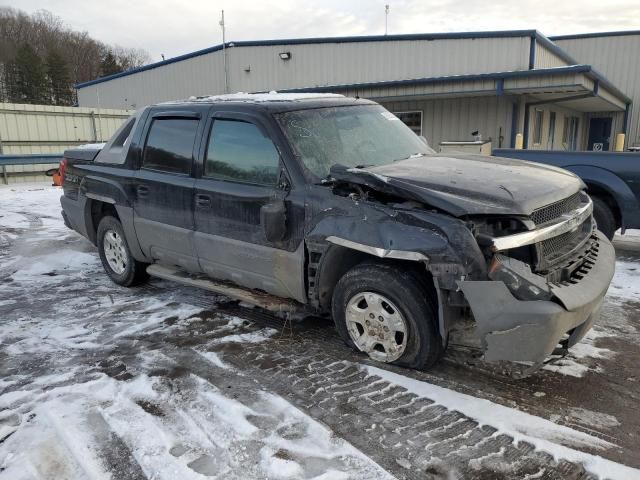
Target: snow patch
pixel 592 419
pixel 260 97
pixel 64 260
pixel 214 358
pixel 584 349
pixel 250 337
pixel 276 467
pixel 625 282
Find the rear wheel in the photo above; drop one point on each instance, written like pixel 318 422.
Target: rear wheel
pixel 116 256
pixel 386 313
pixel 604 217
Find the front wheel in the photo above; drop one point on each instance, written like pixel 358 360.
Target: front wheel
pixel 386 313
pixel 116 256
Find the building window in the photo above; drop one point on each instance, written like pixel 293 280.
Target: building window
pixel 537 127
pixel 551 137
pixel 169 145
pixel 570 133
pixel 413 120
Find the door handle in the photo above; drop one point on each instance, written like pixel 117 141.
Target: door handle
pixel 142 191
pixel 203 201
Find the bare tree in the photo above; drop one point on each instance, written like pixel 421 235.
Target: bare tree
pixel 129 58
pixel 78 57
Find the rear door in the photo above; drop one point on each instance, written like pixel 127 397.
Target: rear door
pixel 242 171
pixel 163 207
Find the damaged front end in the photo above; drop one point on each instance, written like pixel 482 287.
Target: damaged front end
pixel 528 310
pixel 521 285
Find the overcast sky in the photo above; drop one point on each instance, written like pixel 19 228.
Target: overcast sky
pixel 174 27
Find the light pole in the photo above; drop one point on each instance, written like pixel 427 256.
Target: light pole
pixel 386 18
pixel 224 55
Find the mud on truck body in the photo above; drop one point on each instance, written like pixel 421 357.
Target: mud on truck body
pixel 332 206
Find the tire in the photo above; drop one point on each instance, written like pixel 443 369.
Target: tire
pixel 404 293
pixel 116 256
pixel 605 219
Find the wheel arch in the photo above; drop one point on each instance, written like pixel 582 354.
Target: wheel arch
pixel 613 190
pixel 339 259
pixel 609 199
pixel 96 210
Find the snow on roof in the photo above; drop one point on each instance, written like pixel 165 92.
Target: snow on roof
pixel 272 96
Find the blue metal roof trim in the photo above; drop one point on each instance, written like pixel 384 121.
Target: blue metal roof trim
pixel 448 78
pixel 553 48
pixel 619 33
pixel 587 69
pixel 308 41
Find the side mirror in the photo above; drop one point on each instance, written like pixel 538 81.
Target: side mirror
pixel 273 218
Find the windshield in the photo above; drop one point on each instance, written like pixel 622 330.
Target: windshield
pixel 353 136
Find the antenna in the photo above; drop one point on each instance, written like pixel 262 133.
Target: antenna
pixel 224 54
pixel 386 18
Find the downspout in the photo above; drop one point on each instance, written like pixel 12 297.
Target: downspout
pixel 532 66
pixel 525 133
pixel 532 53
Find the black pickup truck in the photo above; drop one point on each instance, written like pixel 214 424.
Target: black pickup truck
pixel 329 205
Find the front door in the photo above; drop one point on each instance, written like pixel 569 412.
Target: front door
pixel 599 134
pixel 242 172
pixel 163 212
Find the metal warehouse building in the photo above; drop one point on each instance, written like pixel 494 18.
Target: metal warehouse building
pixel 444 86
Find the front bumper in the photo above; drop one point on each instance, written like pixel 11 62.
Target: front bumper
pixel 517 330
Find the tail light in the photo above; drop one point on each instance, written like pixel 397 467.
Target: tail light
pixel 61 168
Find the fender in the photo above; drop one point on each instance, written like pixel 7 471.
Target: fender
pixel 443 244
pixel 111 192
pixel 104 190
pixel 616 187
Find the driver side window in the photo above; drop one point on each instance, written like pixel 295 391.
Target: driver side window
pixel 239 151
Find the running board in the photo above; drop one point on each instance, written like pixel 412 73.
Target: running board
pixel 252 297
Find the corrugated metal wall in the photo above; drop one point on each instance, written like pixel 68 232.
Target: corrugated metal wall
pixel 454 119
pixel 310 65
pixel 618 59
pixel 201 75
pixel 26 129
pixel 544 58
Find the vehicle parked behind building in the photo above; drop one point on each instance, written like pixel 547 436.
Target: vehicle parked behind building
pixel 331 205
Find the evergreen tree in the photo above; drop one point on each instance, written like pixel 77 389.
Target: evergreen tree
pixel 60 86
pixel 109 64
pixel 27 80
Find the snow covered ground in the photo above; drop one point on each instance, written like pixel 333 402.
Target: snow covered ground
pixel 166 382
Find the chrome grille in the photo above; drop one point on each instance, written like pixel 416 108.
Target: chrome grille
pixel 557 248
pixel 555 210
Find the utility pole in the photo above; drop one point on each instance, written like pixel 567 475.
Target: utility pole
pixel 386 18
pixel 224 55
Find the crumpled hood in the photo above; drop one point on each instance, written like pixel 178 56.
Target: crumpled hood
pixel 468 184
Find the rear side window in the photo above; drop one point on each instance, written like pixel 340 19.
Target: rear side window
pixel 239 151
pixel 169 146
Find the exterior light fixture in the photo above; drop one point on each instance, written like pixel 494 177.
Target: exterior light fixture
pixel 285 55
